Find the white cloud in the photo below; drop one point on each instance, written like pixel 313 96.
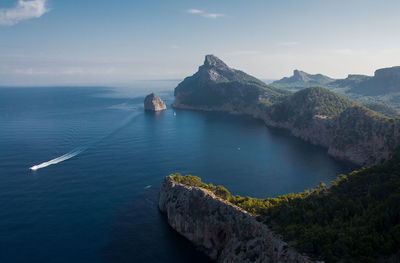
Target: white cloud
pixel 195 11
pixel 204 14
pixel 22 11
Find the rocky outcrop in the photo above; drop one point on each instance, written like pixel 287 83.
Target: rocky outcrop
pixel 225 232
pixel 154 103
pixel 348 130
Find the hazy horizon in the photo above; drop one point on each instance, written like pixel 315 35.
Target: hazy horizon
pixel 54 42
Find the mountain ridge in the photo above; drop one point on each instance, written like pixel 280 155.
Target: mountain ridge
pixel 383 87
pixel 301 79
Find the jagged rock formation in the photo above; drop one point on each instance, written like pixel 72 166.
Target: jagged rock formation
pixel 349 130
pixel 154 103
pixel 225 232
pixel 301 79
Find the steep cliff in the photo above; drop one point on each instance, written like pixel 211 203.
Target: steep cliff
pixel 349 130
pixel 225 232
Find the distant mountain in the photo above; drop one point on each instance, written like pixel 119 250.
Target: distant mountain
pixel 301 79
pixel 346 128
pixel 351 81
pixel 384 81
pixel 215 86
pixel 382 88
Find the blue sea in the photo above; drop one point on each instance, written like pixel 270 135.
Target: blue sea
pixel 101 159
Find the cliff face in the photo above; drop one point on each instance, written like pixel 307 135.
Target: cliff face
pixel 225 232
pixel 354 135
pixel 349 130
pixel 363 138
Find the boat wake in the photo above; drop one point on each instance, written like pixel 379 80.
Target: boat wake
pixel 60 159
pixel 82 148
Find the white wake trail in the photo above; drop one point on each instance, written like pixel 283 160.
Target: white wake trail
pixel 62 158
pixel 81 149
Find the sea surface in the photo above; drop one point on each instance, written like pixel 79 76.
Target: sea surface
pixel 101 159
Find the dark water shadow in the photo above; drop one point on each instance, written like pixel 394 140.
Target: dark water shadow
pixel 137 225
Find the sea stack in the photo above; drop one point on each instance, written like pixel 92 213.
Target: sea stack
pixel 154 103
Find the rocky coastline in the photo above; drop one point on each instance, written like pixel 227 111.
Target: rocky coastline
pixel 356 134
pixel 367 142
pixel 223 231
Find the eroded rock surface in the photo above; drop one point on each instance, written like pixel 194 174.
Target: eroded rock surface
pixel 225 232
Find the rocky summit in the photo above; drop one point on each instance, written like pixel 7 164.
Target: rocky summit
pixel 154 103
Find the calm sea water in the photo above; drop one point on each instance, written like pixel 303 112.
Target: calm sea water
pixel 100 205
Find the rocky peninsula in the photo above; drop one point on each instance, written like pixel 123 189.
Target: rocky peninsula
pixel 347 129
pixel 154 103
pixel 225 232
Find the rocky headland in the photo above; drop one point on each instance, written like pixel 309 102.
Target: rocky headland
pixel 347 129
pixel 154 103
pixel 225 232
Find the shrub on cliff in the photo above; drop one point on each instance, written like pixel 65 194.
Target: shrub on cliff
pixel 189 180
pixel 222 192
pixel 195 181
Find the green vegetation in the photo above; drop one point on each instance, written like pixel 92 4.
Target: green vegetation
pixel 195 181
pixel 314 101
pixel 383 109
pixel 302 106
pixel 356 219
pixel 235 93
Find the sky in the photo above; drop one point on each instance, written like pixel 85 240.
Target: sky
pixel 116 42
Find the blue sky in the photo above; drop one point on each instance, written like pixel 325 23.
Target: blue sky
pixel 105 42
